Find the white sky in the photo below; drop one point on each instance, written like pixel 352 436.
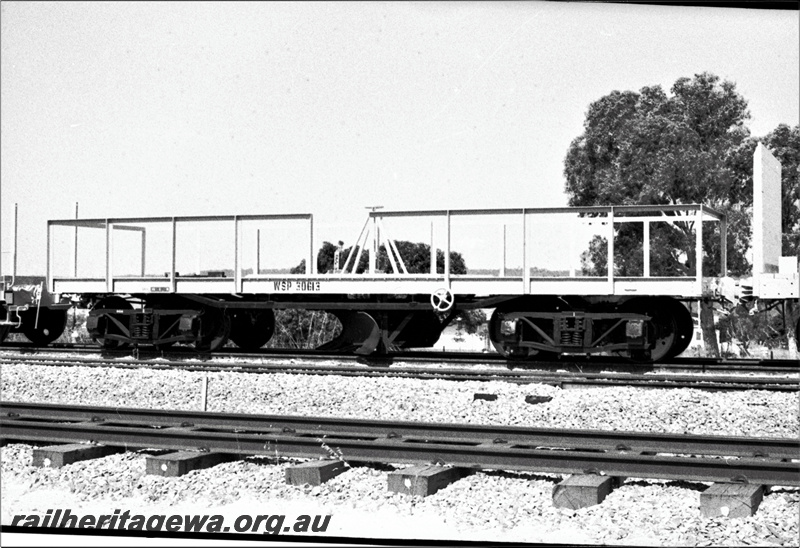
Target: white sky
pixel 140 109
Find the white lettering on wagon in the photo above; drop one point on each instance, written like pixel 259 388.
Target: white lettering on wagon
pixel 296 285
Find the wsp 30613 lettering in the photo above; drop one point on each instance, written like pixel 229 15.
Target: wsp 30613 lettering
pixel 296 285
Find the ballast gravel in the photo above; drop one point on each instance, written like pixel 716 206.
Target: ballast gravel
pixel 487 506
pixel 691 411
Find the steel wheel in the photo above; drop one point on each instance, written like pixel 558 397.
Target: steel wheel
pixel 215 328
pixel 250 330
pixel 663 326
pixel 49 327
pixel 511 345
pixel 797 334
pixel 685 327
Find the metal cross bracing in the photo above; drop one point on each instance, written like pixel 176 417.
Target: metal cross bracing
pixel 234 275
pixel 753 460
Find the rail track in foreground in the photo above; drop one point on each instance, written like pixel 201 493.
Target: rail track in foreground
pixel 766 461
pixel 564 379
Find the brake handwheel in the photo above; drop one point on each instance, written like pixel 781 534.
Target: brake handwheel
pixel 442 300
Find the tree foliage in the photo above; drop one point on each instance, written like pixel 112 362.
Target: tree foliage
pixel 687 146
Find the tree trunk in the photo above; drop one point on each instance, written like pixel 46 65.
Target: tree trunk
pixel 792 317
pixel 709 330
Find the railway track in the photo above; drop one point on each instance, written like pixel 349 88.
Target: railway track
pixel 766 461
pixel 583 363
pixel 561 378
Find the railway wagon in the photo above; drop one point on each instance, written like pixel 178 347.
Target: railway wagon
pixel 553 278
pixel 27 307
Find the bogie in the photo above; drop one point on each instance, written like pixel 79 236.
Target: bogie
pixel 643 329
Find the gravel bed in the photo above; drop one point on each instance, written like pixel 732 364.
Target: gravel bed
pixel 740 413
pixel 489 506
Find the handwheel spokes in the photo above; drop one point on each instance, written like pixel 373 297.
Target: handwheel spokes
pixel 442 300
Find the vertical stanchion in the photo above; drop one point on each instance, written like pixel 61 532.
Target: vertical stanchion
pixel 14 263
pixel 172 281
pixel 433 253
pixel 646 241
pixel 723 235
pixel 611 251
pixel 48 276
pixel 447 254
pixel 109 282
pixel 526 272
pixel 312 263
pixel 503 268
pixel 237 275
pixel 75 258
pixel 698 252
pixel 144 249
pixel 373 248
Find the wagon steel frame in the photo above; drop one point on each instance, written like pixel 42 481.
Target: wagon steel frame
pixel 400 281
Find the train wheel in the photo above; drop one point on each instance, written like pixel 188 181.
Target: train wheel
pixel 509 337
pixel 796 334
pixel 663 326
pixel 48 328
pixel 505 339
pixel 106 326
pixel 360 333
pixel 410 329
pixel 215 328
pixel 4 329
pixel 685 327
pixel 250 330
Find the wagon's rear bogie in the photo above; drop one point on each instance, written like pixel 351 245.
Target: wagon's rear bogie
pixel 544 327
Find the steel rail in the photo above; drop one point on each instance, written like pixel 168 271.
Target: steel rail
pixel 561 379
pixel 22 414
pixel 484 453
pixel 434 356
